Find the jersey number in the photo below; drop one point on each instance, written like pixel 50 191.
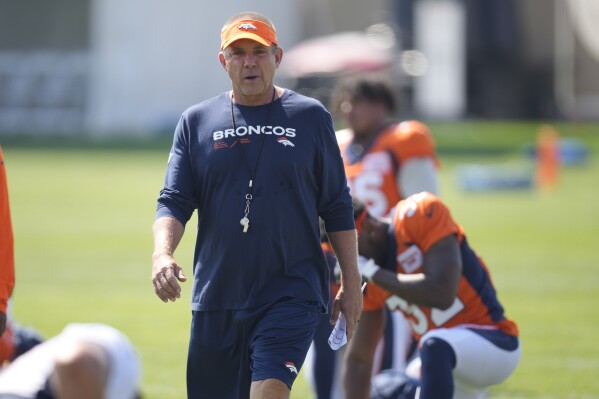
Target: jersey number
pixel 367 187
pixel 417 317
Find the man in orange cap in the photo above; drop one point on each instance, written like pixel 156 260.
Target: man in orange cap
pixel 260 164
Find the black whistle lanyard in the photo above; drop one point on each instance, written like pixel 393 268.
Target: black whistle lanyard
pixel 245 221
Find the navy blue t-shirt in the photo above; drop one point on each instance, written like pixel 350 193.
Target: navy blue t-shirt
pixel 299 177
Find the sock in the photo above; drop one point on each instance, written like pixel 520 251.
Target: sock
pixel 438 361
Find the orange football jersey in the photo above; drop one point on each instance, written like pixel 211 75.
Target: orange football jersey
pixel 418 222
pixel 7 257
pixel 372 176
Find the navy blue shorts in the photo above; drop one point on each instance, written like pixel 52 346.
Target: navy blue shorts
pixel 229 349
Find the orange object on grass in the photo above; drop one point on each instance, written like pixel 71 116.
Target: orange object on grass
pixel 547 158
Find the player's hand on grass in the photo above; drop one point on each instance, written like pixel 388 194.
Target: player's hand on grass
pixel 166 274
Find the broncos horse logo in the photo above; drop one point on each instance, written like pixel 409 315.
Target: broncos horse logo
pixel 247 26
pixel 285 142
pixel 291 367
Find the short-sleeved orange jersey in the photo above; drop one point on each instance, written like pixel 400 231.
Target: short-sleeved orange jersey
pixel 372 177
pixel 7 256
pixel 418 222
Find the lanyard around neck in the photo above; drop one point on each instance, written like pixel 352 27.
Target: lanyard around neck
pixel 245 221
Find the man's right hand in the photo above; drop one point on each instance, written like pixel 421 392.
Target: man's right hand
pixel 166 274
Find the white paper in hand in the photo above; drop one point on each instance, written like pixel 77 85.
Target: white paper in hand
pixel 338 336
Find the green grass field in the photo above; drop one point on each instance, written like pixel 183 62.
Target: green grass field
pixel 82 219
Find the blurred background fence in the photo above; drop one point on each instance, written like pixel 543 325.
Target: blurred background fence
pixel 106 67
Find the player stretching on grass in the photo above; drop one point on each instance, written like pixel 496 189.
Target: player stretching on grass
pixel 84 361
pixel 420 263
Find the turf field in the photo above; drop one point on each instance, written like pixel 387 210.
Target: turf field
pixel 82 219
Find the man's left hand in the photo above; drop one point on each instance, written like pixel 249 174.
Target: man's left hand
pixel 349 302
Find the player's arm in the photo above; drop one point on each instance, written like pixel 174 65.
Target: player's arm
pixel 357 368
pixel 335 208
pixel 81 371
pixel 437 285
pixel 7 254
pixel 166 273
pixel 349 296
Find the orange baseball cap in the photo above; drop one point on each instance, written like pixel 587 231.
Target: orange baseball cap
pixel 257 31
